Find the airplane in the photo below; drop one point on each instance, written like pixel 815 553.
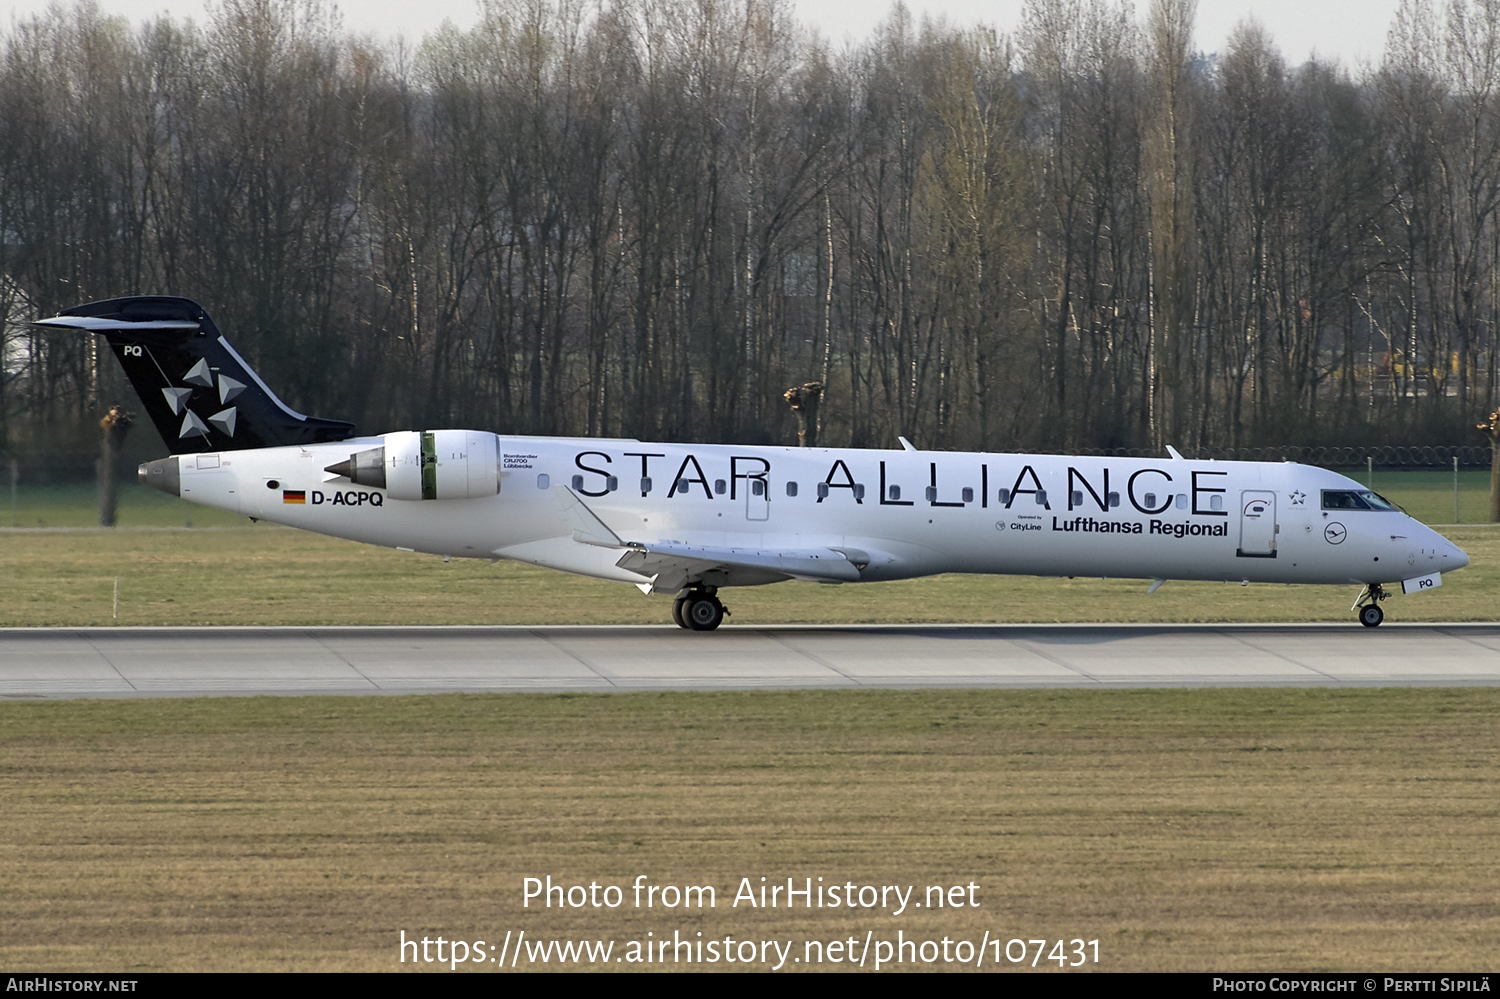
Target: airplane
pixel 690 520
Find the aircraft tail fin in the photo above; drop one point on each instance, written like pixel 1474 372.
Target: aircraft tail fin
pixel 199 392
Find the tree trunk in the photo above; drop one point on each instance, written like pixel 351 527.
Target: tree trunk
pixel 1494 481
pixel 113 428
pixel 1491 430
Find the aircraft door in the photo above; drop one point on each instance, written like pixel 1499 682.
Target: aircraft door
pixel 1257 524
pixel 757 499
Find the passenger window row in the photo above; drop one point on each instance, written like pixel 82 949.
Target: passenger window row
pixel 1332 499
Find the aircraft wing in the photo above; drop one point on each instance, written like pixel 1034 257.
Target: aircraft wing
pixel 673 564
pixel 815 564
pixel 588 529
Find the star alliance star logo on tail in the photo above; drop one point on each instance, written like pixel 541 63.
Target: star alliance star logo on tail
pixel 192 424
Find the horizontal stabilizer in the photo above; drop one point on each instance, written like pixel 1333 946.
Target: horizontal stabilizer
pixel 93 324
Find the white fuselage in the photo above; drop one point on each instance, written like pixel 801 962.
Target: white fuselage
pixel 1040 515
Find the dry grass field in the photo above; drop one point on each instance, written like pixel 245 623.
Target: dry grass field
pixel 269 575
pixel 1211 830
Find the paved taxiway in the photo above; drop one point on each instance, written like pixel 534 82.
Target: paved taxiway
pixel 189 662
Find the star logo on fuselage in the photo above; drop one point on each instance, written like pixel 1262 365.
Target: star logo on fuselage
pixel 1298 497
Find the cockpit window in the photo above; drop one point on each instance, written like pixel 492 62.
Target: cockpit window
pixel 1355 499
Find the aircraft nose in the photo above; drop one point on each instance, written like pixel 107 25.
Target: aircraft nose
pixel 1449 555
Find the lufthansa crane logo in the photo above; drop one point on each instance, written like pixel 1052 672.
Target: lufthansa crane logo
pixel 1335 533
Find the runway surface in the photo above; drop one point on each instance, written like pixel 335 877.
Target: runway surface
pixel 194 662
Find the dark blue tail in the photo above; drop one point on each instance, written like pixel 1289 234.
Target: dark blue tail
pixel 201 395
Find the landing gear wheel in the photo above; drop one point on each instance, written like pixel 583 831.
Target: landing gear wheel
pixel 1367 605
pixel 703 613
pixel 677 617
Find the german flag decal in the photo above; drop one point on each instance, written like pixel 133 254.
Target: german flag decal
pixel 294 496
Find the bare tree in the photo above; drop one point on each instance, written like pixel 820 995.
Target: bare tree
pixel 1167 152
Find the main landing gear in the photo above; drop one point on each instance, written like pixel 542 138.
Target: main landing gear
pixel 1368 605
pixel 699 609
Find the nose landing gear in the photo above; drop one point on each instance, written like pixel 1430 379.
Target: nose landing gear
pixel 1367 604
pixel 699 609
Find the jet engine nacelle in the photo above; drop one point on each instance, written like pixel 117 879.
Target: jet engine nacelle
pixel 428 465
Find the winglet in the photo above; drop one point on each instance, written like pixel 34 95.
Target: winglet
pixel 906 444
pixel 1173 452
pixel 587 527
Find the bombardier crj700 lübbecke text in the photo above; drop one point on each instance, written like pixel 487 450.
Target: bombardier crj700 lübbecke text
pixel 691 519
